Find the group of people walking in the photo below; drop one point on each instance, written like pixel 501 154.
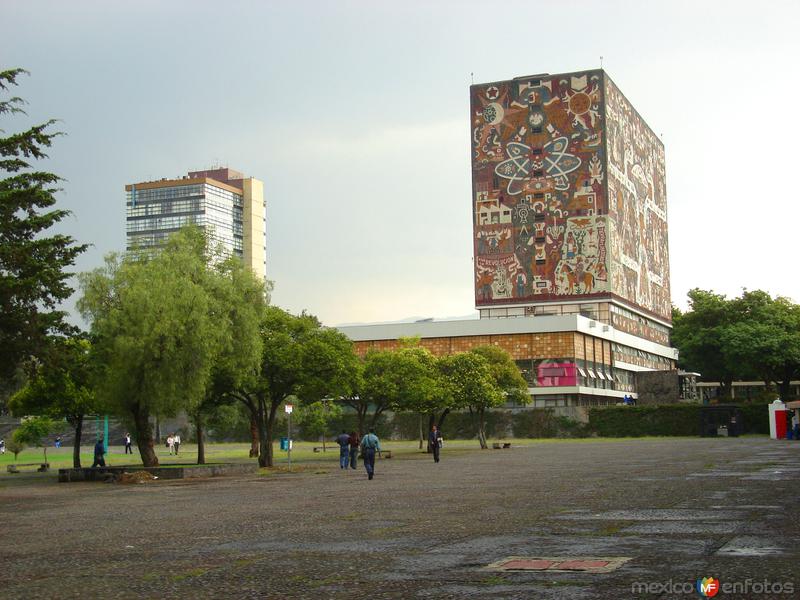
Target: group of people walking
pixel 174 443
pixel 350 444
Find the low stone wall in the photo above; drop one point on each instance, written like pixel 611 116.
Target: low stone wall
pixel 182 472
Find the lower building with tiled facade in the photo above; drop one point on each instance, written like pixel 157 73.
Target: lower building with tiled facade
pixel 567 359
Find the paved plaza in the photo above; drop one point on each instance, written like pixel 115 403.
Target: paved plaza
pixel 652 516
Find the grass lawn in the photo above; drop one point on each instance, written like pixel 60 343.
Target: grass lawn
pixel 302 454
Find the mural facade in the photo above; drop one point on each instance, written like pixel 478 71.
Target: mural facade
pixel 639 266
pixel 543 227
pixel 539 193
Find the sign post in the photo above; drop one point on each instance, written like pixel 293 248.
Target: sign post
pixel 288 409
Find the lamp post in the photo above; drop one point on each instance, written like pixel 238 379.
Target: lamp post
pixel 288 410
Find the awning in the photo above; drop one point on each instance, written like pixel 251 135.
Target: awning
pixel 793 404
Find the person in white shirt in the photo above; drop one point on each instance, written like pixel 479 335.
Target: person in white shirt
pixel 171 443
pixel 176 441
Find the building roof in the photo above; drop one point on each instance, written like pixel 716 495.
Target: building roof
pixel 503 326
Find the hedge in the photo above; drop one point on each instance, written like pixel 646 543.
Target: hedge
pixel 667 419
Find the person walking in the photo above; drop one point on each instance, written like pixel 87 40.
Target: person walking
pixel 128 449
pixel 354 440
pixel 344 445
pixel 435 440
pixel 171 443
pixel 2 446
pixel 176 441
pixel 99 451
pixel 370 444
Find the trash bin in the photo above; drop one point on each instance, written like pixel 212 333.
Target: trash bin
pixel 285 443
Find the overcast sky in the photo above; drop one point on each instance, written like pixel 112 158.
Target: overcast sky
pixel 356 117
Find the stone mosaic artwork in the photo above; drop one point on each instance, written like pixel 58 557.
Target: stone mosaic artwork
pixel 543 227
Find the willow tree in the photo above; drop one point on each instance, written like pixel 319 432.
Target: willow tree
pixel 241 299
pixel 157 329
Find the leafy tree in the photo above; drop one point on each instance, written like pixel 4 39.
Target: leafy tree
pixel 752 336
pixel 32 432
pixel 505 378
pixel 315 418
pixel 33 279
pixel 698 335
pixel 405 380
pixel 60 387
pixel 299 358
pixel 469 383
pixel 157 328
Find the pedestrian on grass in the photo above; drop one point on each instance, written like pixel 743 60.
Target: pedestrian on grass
pixel 171 443
pixel 176 441
pixel 128 449
pixel 57 443
pixel 370 444
pixel 2 446
pixel 354 441
pixel 99 451
pixel 344 446
pixel 435 440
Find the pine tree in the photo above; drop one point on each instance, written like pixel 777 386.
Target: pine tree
pixel 33 279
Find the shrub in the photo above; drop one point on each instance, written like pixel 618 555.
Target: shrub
pixel 15 447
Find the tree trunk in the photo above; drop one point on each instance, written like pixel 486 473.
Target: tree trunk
pixel 158 431
pixel 264 432
pixel 440 424
pixel 361 411
pixel 144 438
pixel 421 432
pixel 431 423
pixel 482 429
pixel 376 415
pixel 76 445
pixel 785 389
pixel 44 447
pixel 201 444
pixel 253 435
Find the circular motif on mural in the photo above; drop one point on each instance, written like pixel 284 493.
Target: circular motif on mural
pixel 492 92
pixel 536 119
pixel 580 103
pixel 493 113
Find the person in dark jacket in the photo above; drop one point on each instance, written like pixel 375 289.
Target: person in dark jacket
pixel 435 440
pixel 344 449
pixel 99 451
pixel 355 442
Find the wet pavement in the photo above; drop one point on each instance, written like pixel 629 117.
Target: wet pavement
pixel 666 512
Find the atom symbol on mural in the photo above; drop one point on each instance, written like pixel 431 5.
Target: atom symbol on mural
pixel 518 166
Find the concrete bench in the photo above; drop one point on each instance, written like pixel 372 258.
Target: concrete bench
pixel 499 445
pixel 14 468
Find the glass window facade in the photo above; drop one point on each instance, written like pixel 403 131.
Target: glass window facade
pixel 155 213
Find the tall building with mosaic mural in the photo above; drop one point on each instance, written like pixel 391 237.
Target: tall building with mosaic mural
pixel 569 198
pixel 571 263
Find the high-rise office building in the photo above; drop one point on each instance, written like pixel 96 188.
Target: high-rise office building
pixel 570 249
pixel 228 205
